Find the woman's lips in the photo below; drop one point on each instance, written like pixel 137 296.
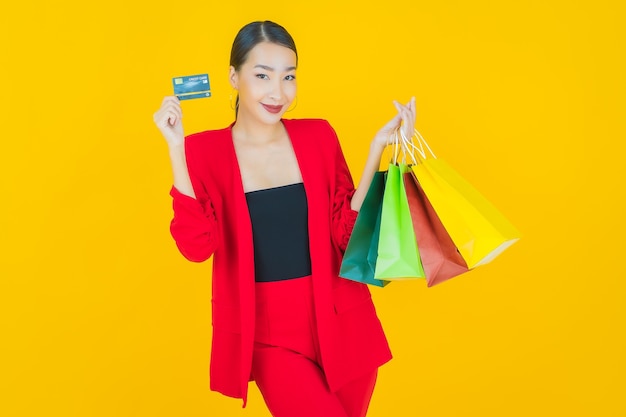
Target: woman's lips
pixel 272 109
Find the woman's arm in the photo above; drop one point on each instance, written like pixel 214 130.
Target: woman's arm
pixel 180 171
pixel 405 119
pixel 169 121
pixel 371 166
pixel 194 226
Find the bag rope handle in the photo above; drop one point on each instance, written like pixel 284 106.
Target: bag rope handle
pixel 406 150
pixel 421 142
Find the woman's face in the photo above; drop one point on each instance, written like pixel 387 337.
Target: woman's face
pixel 266 82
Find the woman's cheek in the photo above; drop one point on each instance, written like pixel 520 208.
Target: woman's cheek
pixel 291 89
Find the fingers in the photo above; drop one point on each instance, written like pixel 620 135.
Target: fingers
pixel 405 119
pixel 407 116
pixel 404 112
pixel 172 105
pixel 169 113
pixel 411 107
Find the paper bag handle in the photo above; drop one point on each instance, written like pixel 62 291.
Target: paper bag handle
pixel 408 143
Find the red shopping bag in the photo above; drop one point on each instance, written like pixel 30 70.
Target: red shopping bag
pixel 440 258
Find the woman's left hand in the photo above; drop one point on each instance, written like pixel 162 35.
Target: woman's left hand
pixel 404 119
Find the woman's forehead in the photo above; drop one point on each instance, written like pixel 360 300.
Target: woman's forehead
pixel 272 56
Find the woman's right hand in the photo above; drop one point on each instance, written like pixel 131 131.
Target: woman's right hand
pixel 169 121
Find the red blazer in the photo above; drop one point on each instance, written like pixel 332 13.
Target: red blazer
pixel 217 222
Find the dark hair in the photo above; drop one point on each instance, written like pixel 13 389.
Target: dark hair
pixel 251 35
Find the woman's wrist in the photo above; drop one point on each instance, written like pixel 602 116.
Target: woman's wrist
pixel 380 141
pixel 377 146
pixel 176 150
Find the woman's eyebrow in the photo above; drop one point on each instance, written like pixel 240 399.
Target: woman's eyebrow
pixel 268 68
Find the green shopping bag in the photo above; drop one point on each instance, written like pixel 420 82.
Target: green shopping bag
pixel 398 255
pixel 372 254
pixel 359 259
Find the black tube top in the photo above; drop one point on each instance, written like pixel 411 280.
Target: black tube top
pixel 280 232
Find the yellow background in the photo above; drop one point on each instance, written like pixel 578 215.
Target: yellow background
pixel 101 316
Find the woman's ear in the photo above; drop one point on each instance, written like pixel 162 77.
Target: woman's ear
pixel 233 78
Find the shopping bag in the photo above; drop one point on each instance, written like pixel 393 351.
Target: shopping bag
pixel 440 258
pixel 476 227
pixel 398 256
pixel 372 254
pixel 359 259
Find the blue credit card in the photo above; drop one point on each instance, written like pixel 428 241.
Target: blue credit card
pixel 192 86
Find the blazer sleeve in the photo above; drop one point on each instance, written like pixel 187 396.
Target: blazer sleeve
pixel 194 225
pixel 343 217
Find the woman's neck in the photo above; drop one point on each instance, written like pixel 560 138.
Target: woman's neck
pixel 254 132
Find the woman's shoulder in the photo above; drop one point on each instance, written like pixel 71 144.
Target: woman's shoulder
pixel 318 129
pixel 208 145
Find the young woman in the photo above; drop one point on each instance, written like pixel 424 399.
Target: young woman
pixel 272 200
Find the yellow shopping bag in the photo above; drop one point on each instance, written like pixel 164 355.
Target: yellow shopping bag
pixel 479 231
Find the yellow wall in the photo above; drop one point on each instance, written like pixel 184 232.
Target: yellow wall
pixel 101 316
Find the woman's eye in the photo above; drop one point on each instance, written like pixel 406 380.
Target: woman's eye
pixel 262 76
pixel 290 77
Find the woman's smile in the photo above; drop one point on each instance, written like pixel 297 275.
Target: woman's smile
pixel 272 109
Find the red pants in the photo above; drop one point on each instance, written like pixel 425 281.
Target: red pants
pixel 285 363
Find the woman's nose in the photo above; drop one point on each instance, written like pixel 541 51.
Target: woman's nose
pixel 276 91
